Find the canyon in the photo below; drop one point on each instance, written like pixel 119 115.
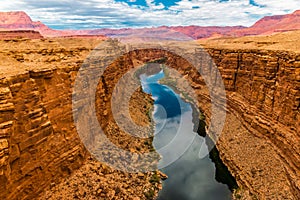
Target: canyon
pixel 40 150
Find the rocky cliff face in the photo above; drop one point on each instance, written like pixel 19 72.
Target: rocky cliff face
pixel 39 144
pixel 15 20
pixel 6 35
pixel 263 93
pixel 260 139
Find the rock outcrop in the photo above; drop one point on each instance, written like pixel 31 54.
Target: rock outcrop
pixel 260 141
pixel 29 34
pixel 15 20
pixel 39 144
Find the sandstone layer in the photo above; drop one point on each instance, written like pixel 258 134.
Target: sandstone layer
pixel 6 35
pixel 39 141
pixel 260 139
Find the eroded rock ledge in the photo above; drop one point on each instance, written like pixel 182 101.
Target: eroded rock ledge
pixel 9 35
pixel 259 143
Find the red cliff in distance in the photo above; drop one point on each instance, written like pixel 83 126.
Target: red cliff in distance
pixel 272 24
pixel 20 21
pixel 15 20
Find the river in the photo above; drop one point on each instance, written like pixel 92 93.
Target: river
pixel 190 175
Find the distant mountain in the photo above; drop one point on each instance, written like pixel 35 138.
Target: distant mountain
pixel 21 21
pixel 272 24
pixel 191 32
pixel 10 21
pixel 198 32
pixel 16 21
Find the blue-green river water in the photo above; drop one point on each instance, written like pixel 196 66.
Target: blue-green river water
pixel 190 176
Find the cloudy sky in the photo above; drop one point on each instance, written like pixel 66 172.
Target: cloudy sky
pixel 83 14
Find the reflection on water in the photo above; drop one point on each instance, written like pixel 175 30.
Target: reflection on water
pixel 190 178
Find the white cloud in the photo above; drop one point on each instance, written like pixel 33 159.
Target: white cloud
pixel 152 6
pixel 107 13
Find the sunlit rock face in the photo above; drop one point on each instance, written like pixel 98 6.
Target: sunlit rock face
pixel 15 20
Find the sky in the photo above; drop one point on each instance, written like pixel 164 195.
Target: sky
pixel 89 14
